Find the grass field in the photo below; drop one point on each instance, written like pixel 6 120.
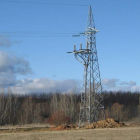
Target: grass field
pixel 126 133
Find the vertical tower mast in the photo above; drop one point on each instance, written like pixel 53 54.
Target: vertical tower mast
pixel 91 108
pixel 96 97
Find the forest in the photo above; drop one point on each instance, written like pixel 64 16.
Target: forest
pixel 60 108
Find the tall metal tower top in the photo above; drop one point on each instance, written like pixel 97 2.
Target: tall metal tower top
pixel 90 22
pixel 90 29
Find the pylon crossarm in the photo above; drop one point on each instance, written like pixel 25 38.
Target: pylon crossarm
pixel 76 56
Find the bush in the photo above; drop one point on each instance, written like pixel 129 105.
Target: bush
pixel 59 118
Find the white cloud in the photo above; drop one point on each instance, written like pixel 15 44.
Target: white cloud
pixel 10 67
pixel 117 85
pixel 130 83
pixel 41 85
pixel 109 83
pixel 14 65
pixel 5 42
pixel 47 85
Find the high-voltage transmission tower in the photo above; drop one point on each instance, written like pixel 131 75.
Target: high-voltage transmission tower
pixel 92 106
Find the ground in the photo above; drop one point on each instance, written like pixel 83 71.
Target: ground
pixel 125 133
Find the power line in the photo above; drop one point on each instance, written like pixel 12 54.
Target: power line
pixel 24 2
pixel 37 34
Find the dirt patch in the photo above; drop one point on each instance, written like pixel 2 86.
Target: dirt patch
pixel 133 125
pixel 109 123
pixel 64 127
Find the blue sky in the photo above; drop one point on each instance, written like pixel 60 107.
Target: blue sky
pixel 35 37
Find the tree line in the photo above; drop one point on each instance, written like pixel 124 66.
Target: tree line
pixel 58 108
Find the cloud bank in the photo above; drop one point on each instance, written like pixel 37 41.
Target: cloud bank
pixel 12 66
pixel 117 85
pixel 44 85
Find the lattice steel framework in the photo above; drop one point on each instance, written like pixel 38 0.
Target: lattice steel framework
pixel 92 107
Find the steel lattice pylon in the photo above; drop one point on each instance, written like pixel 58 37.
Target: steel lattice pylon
pixel 92 107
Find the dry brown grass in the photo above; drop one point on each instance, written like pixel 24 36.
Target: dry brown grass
pixel 126 133
pixel 24 126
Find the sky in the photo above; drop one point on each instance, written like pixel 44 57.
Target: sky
pixel 35 36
